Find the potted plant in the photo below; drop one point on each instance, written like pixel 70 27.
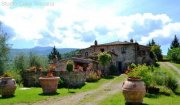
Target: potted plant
pixel 49 83
pixel 134 87
pixel 7 85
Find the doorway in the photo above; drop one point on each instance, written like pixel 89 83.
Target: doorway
pixel 119 65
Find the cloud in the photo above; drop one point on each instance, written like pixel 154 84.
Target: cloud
pixel 164 35
pixel 78 23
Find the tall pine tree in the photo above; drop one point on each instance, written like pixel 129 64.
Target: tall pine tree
pixel 175 43
pixel 152 43
pixel 54 55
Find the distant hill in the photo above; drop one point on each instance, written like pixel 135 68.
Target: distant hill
pixel 41 51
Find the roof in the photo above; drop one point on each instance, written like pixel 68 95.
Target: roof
pixel 116 43
pixel 79 60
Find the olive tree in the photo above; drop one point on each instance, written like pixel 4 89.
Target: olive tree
pixel 104 58
pixel 4 50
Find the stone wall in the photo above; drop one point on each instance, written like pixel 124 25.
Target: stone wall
pixel 133 53
pixel 31 78
pixel 124 57
pixel 72 79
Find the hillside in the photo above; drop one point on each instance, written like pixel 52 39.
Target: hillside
pixel 41 51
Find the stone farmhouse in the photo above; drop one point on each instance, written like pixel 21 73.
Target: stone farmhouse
pixel 123 53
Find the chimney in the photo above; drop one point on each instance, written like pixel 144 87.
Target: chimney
pixel 95 43
pixel 131 40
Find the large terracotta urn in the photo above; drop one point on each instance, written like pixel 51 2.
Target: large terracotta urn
pixel 49 84
pixel 7 86
pixel 133 90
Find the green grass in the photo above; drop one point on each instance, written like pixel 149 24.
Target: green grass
pixel 35 94
pixel 170 70
pixel 177 65
pixel 119 78
pixel 118 99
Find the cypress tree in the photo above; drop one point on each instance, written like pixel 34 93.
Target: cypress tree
pixel 175 43
pixel 54 54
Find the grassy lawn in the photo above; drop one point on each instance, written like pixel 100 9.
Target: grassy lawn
pixel 177 65
pixel 118 99
pixel 35 94
pixel 169 70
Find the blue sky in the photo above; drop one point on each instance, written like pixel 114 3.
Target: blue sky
pixel 77 23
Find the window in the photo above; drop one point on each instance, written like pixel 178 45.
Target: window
pixel 86 54
pixel 102 49
pixel 123 50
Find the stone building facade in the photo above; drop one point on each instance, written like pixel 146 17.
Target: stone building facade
pixel 123 53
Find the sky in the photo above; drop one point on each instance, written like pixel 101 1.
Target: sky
pixel 78 23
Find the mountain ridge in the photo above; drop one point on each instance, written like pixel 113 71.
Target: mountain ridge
pixel 40 51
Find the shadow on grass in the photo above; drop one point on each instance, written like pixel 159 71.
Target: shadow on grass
pixel 127 103
pixel 79 86
pixel 72 92
pixel 49 94
pixel 7 97
pixel 177 93
pixel 151 95
pixel 165 93
pixel 108 77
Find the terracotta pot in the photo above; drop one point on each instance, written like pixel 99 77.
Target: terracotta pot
pixel 134 90
pixel 7 86
pixel 49 84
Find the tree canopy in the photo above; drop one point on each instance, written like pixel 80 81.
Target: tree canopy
pixel 174 55
pixel 4 50
pixel 152 43
pixel 175 43
pixel 155 52
pixel 174 51
pixel 104 58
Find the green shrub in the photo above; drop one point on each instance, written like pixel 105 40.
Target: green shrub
pixel 159 78
pixel 92 76
pixel 166 91
pixel 69 65
pixel 34 60
pixel 132 66
pixel 171 83
pixel 156 64
pixel 61 83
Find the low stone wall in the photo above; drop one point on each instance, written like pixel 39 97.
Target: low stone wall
pixel 31 78
pixel 71 79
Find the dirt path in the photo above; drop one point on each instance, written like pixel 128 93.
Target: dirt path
pixel 168 64
pixel 172 66
pixel 91 97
